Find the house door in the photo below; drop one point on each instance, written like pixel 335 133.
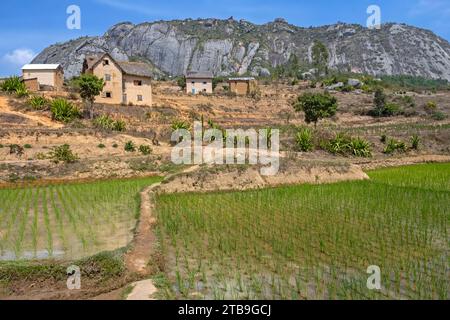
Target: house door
pixel 124 99
pixel 193 90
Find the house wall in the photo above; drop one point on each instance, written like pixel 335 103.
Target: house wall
pixel 132 91
pixel 59 79
pixel 199 86
pixel 239 87
pixel 45 77
pixel 31 84
pixel 242 87
pixel 114 86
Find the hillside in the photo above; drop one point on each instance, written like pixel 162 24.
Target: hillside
pixel 229 46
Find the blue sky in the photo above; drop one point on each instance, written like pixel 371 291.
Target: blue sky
pixel 27 26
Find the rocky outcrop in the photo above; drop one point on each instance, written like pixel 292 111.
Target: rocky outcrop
pixel 228 47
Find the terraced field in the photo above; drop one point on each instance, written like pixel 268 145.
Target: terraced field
pixel 68 221
pixel 311 241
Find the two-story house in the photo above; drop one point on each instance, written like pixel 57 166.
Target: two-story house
pixel 125 82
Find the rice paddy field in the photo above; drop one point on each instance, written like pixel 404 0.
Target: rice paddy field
pixel 311 241
pixel 70 221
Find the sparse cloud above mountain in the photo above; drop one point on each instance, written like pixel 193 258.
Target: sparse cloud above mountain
pixel 19 57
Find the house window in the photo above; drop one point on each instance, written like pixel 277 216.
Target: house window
pixel 108 94
pixel 204 90
pixel 107 77
pixel 193 82
pixel 205 83
pixel 139 97
pixel 106 62
pixel 138 83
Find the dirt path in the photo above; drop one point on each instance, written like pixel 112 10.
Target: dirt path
pixel 138 258
pixel 39 119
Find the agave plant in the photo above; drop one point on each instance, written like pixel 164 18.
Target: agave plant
pixel 38 102
pixel 178 125
pixel 12 84
pixel 360 148
pixel 304 139
pixel 339 144
pixel 64 111
pixel 22 92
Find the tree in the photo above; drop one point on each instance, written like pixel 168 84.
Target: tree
pixel 379 103
pixel 316 106
pixel 320 57
pixel 181 82
pixel 89 87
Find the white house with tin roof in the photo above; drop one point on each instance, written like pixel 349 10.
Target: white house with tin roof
pixel 45 75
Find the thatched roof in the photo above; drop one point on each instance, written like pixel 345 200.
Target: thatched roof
pixel 136 69
pixel 131 68
pixel 199 75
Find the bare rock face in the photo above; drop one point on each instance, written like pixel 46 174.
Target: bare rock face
pixel 228 47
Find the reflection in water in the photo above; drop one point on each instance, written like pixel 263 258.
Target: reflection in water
pixel 31 255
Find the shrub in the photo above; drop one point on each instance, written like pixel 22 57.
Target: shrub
pixel 1 146
pixel 37 102
pixel 62 154
pixel 304 140
pixel 255 93
pixel 391 109
pixel 64 111
pixel 41 156
pixel 415 142
pixel 145 150
pixel 27 146
pixel 316 106
pixel 16 149
pixel 394 145
pixel 130 146
pixel 115 145
pixel 383 138
pixel 12 84
pixel 379 103
pixel 181 82
pixel 101 146
pixel 431 106
pixel 408 101
pixel 347 88
pixel 438 116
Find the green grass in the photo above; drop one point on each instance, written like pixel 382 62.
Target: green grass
pixel 311 241
pixel 70 221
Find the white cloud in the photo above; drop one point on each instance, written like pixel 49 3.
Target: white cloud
pixel 19 57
